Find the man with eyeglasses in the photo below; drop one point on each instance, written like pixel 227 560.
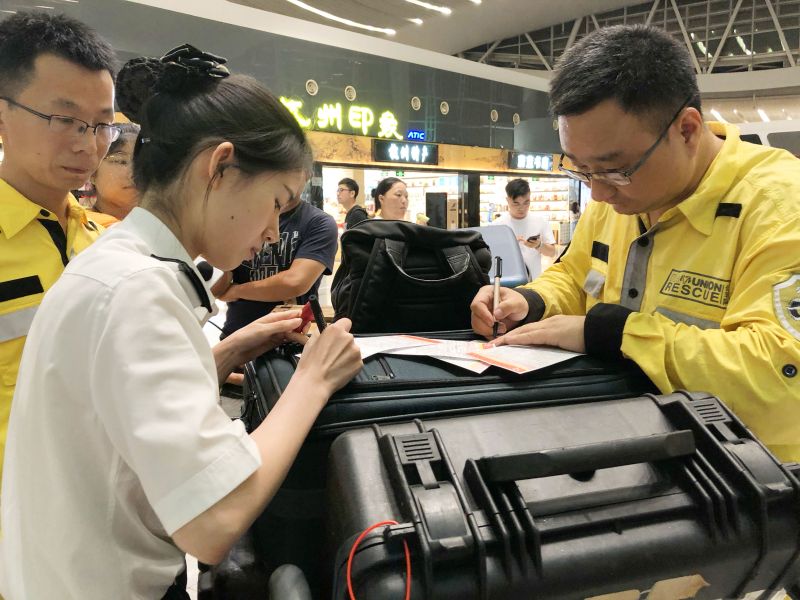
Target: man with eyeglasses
pixel 56 110
pixel 532 230
pixel 346 195
pixel 688 260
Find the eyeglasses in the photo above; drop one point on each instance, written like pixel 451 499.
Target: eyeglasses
pixel 340 190
pixel 71 126
pixel 620 177
pixel 119 160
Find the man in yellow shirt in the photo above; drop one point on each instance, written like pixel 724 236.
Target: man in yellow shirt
pixel 56 110
pixel 688 261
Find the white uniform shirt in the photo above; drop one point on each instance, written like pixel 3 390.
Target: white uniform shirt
pixel 116 438
pixel 532 224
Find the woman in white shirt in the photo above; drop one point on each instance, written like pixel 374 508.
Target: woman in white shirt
pixel 391 199
pixel 119 457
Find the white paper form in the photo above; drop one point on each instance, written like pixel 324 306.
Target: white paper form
pixel 385 344
pixel 450 351
pixel 522 359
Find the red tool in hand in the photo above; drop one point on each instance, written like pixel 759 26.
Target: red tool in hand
pixel 307 315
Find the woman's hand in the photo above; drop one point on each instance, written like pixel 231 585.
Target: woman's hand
pixel 331 359
pixel 266 333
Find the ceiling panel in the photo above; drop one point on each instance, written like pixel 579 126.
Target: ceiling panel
pixel 467 25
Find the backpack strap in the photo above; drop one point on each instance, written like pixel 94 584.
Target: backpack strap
pixel 458 259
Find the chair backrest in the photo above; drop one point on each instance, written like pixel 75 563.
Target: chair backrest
pixel 502 242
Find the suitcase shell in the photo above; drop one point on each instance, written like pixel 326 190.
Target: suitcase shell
pixel 393 389
pixel 570 501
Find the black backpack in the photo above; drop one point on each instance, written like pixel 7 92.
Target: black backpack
pixel 398 277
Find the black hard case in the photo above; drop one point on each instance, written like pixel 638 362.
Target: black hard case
pixel 395 387
pixel 392 389
pixel 569 501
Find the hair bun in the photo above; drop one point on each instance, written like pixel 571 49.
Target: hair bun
pixel 188 68
pixel 136 83
pixel 181 70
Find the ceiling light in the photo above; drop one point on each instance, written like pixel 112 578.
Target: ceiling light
pixel 475 1
pixel 763 115
pixel 45 7
pixel 341 20
pixel 742 45
pixel 441 9
pixel 416 21
pixel 692 35
pixel 11 12
pixel 702 47
pixel 717 116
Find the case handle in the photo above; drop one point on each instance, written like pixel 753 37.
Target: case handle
pixel 458 258
pixel 588 457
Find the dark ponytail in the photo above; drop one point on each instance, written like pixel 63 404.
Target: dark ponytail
pixel 187 102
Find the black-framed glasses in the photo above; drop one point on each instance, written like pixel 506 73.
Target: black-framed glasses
pixel 620 177
pixel 343 189
pixel 70 126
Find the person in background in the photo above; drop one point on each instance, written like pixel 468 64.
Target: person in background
pixel 56 113
pixel 687 261
pixel 533 231
pixel 574 216
pixel 391 199
pixel 346 195
pixel 136 464
pixel 289 268
pixel 115 193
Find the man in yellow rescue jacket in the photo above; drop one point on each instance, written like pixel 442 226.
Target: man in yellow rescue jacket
pixel 56 110
pixel 688 260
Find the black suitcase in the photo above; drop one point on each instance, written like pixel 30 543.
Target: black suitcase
pixel 395 389
pixel 655 496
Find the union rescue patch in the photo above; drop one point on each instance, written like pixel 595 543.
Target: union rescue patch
pixel 786 299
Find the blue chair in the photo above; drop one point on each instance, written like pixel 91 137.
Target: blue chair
pixel 502 241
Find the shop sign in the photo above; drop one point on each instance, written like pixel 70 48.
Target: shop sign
pixel 354 118
pixel 405 152
pixel 530 161
pixel 415 135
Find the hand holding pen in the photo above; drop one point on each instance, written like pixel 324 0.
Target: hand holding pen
pixel 498 273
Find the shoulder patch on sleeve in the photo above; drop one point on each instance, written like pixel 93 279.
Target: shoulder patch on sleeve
pixel 786 299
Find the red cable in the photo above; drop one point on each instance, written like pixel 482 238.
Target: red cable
pixel 356 544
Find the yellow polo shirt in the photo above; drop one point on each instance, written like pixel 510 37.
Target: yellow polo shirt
pixel 708 298
pixel 33 252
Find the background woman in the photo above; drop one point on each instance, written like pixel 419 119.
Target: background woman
pixel 391 199
pixel 115 192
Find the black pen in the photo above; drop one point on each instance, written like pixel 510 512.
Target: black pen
pixel 498 273
pixel 317 310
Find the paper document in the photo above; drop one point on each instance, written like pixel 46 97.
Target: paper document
pixel 450 351
pixel 522 359
pixel 442 348
pixel 385 344
pixel 473 356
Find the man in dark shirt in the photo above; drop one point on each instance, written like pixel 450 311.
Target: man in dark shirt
pixel 346 194
pixel 291 268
